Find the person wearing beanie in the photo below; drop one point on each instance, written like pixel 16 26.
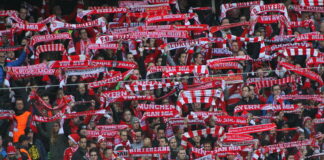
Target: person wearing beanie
pixel 73 140
pixel 102 143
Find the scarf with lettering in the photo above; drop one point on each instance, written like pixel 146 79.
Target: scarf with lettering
pixel 149 85
pixel 161 1
pixel 83 71
pixel 50 48
pixel 100 22
pixel 113 127
pixel 277 47
pixel 231 120
pixel 170 18
pixel 277 147
pixel 226 65
pixel 49 37
pixel 30 27
pixel 185 44
pixel 311 2
pixel 176 70
pixel 268 19
pixel 218 150
pixel 217 130
pixel 300 8
pixel 229 59
pixel 95 46
pixel 229 6
pixel 107 10
pixel 92 63
pixel 103 133
pixel 11 48
pixel 149 8
pixel 183 121
pixel 165 114
pixel 229 79
pixel 205 85
pixel 110 81
pixel 230 137
pixel 281 39
pixel 154 107
pixel 252 129
pixel 254 80
pixel 309 52
pixel 61 115
pixel 204 114
pixel 219 52
pixel 304 23
pixel 260 9
pixel 30 71
pixel 303 71
pixel 315 61
pixel 253 107
pixel 154 150
pixel 313 36
pixel 317 98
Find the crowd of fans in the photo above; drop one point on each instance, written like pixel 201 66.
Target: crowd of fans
pixel 161 97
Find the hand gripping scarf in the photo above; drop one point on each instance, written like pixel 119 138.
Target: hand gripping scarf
pixel 100 22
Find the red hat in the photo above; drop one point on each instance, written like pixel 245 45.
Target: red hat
pixel 101 139
pixel 306 119
pixel 11 149
pixel 74 138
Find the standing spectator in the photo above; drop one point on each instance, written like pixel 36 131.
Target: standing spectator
pixel 22 118
pixel 81 153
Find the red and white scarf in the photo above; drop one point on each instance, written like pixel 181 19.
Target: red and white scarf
pixel 103 133
pixel 106 10
pixel 230 137
pixel 253 107
pixel 277 147
pixel 227 26
pixel 226 65
pixel 315 61
pixel 170 18
pixel 100 22
pixel 154 150
pixel 229 59
pixel 176 70
pixel 30 27
pixel 252 129
pixel 218 150
pixel 311 2
pixel 61 115
pixel 11 48
pixel 204 114
pixel 229 6
pixel 7 114
pixel 202 93
pixel 317 98
pixel 295 24
pixel 185 100
pixel 114 127
pixel 95 46
pixel 299 8
pixel 231 120
pixel 183 121
pixel 269 83
pixel 313 36
pixel 154 107
pixel 29 71
pixel 149 85
pixel 50 48
pixel 303 71
pixel 83 71
pixel 277 47
pixel 260 9
pixel 165 114
pixel 244 39
pixel 149 8
pixel 49 37
pixel 92 63
pixel 185 44
pixel 309 52
pixel 161 1
pixel 107 82
pixel 218 131
pixel 228 79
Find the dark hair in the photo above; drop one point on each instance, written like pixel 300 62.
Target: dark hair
pixel 274 86
pixel 245 86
